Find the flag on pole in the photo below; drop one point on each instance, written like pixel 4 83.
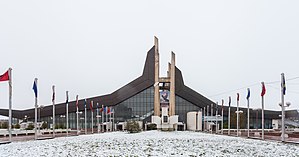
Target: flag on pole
pixel 90 106
pixel 229 101
pixel 222 102
pixel 263 89
pixel 238 96
pixel 283 85
pixel 248 94
pixel 35 88
pixel 67 97
pixel 77 101
pixel 104 109
pixel 53 95
pixel 108 110
pixel 5 76
pixel 84 103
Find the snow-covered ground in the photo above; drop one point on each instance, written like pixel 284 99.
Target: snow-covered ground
pixel 150 143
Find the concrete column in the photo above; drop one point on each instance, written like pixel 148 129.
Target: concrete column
pixel 156 85
pixel 172 85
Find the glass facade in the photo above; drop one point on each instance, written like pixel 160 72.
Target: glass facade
pixel 138 107
pixel 182 107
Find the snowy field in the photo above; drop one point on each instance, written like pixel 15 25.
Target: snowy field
pixel 150 143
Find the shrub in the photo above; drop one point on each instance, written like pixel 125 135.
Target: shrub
pixel 44 125
pixel 152 127
pixel 133 127
pixel 17 126
pixel 30 127
pixel 4 125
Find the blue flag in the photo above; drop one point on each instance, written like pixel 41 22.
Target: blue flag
pixel 35 88
pixel 84 103
pixel 248 94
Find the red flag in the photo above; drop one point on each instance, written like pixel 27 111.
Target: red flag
pixel 263 89
pixel 108 110
pixel 5 76
pixel 91 105
pixel 238 96
pixel 77 101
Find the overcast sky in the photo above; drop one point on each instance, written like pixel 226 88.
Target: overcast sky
pixel 91 48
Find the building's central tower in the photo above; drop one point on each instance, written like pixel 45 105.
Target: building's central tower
pixel 164 96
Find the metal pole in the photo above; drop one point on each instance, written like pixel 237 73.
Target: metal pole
pixel 282 112
pixel 217 118
pixel 35 115
pixel 102 127
pixel 106 119
pixel 110 127
pixel 113 124
pixel 91 117
pixel 208 116
pixel 77 113
pixel 247 117
pixel 222 121
pixel 67 113
pixel 263 117
pixel 39 108
pixel 204 122
pixel 98 121
pixel 85 119
pixel 10 103
pixel 53 102
pixel 237 117
pixel 212 115
pixel 229 120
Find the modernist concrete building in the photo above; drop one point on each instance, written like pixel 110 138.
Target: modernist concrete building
pixel 150 99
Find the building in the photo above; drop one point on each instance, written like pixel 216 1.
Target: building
pixel 144 98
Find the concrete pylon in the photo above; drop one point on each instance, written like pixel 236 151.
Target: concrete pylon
pixel 172 86
pixel 156 85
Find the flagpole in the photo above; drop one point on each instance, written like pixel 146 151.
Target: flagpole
pixel 106 119
pixel 67 113
pixel 248 117
pixel 248 96
pixel 216 117
pixel 282 108
pixel 35 111
pixel 208 125
pixel 102 128
pixel 53 102
pixel 212 115
pixel 228 120
pixel 91 110
pixel 113 124
pixel 263 84
pixel 10 103
pixel 222 117
pixel 77 114
pixel 85 112
pixel 110 127
pixel 238 114
pixel 98 121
